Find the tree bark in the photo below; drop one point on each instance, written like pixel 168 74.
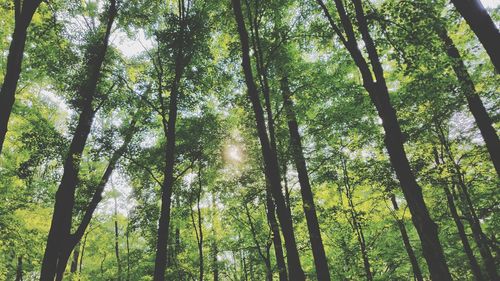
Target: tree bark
pixel 265 258
pixel 468 208
pixel 23 14
pixel 273 224
pixel 19 269
pixel 417 273
pixel 270 158
pixel 74 262
pixel 60 238
pixel 476 270
pixel 168 173
pixel 474 102
pixel 128 251
pixel 315 239
pixel 356 224
pixel 483 26
pixel 375 85
pixel 117 248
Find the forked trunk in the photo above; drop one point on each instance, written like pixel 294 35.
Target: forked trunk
pixel 270 158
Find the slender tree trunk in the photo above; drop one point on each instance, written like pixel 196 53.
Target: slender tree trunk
pixel 265 258
pixel 168 174
pixel 315 239
pixel 468 209
pixel 215 266
pixel 84 243
pixel 474 102
pixel 270 158
pixel 60 238
pixel 19 270
pixel 356 225
pixel 375 85
pixel 476 270
pixel 74 262
pixel 483 26
pixel 24 11
pixel 117 248
pixel 417 273
pixel 198 229
pixel 128 252
pixel 273 224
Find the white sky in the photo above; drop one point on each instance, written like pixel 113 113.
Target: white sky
pixel 490 3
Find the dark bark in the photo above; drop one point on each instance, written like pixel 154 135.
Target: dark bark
pixel 356 224
pixel 265 258
pixel 318 249
pixel 19 269
pixel 483 26
pixel 417 273
pixel 128 251
pixel 474 102
pixel 273 224
pixel 375 85
pixel 198 228
pixel 117 248
pixel 24 11
pixel 468 209
pixel 270 158
pixel 168 173
pixel 84 243
pixel 215 266
pixel 60 238
pixel 476 270
pixel 74 262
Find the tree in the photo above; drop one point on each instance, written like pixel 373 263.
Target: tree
pixel 375 85
pixel 483 26
pixel 24 11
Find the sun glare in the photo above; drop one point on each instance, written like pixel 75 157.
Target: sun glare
pixel 233 154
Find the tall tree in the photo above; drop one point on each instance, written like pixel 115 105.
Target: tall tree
pixel 271 165
pixel 60 239
pixel 474 102
pixel 23 12
pixel 375 84
pixel 483 26
pixel 318 249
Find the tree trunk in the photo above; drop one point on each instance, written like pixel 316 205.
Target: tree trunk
pixel 356 224
pixel 128 252
pixel 483 26
pixel 417 273
pixel 117 248
pixel 23 14
pixel 60 238
pixel 273 224
pixel 375 85
pixel 84 243
pixel 476 270
pixel 74 262
pixel 19 270
pixel 318 249
pixel 468 208
pixel 215 267
pixel 265 258
pixel 168 173
pixel 474 102
pixel 270 158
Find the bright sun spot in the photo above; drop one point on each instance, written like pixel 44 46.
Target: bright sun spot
pixel 233 154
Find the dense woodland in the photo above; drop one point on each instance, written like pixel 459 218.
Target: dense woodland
pixel 249 140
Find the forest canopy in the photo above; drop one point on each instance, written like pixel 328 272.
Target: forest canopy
pixel 248 140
